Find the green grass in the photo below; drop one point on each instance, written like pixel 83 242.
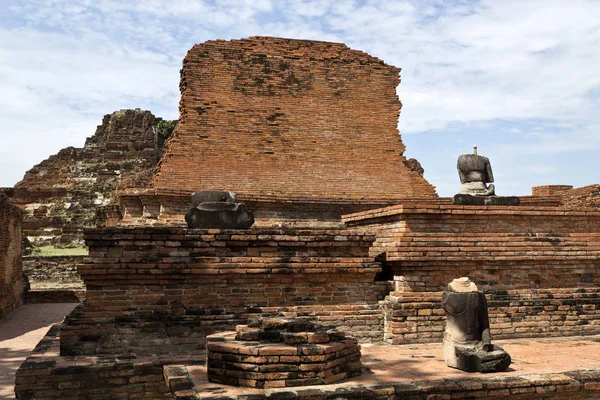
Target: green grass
pixel 53 251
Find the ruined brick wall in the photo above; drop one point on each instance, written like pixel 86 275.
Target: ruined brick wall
pixel 57 270
pixel 497 247
pixel 538 265
pixel 568 197
pixel 586 196
pixel 11 274
pixel 168 208
pixel 176 285
pixel 287 117
pixel 550 190
pixel 420 318
pixel 46 375
pixel 60 194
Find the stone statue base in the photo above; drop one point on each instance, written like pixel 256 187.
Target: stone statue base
pixel 470 200
pixel 220 210
pixel 220 216
pixel 472 357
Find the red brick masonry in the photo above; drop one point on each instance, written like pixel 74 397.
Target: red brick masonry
pixel 288 117
pixel 151 289
pixel 537 265
pixel 11 264
pixel 281 352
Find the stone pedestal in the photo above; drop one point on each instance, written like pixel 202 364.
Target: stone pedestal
pixel 220 210
pixel 473 200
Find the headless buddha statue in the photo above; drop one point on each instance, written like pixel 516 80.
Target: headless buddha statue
pixel 467 340
pixel 475 172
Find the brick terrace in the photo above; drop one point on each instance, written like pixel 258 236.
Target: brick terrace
pixel 557 368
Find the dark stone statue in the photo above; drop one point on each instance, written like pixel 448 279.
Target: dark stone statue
pixel 220 210
pixel 467 340
pixel 475 172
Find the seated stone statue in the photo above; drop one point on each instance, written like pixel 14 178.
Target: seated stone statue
pixel 467 340
pixel 475 172
pixel 214 209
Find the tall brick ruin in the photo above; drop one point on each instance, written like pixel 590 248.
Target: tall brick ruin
pixel 284 121
pixel 289 118
pixel 11 267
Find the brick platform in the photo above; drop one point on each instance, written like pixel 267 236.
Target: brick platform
pixel 557 368
pixel 151 289
pixel 418 317
pixel 45 374
pixel 502 248
pixel 281 352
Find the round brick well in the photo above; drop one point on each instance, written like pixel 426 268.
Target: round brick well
pixel 280 352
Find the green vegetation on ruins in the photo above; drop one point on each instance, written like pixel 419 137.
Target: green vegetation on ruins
pixel 165 128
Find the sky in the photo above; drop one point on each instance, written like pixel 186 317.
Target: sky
pixel 520 79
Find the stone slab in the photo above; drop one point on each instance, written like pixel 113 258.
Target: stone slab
pixel 469 200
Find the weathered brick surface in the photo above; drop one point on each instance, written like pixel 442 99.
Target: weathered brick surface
pixel 281 352
pixel 45 374
pixel 539 266
pixel 53 279
pixel 419 317
pixel 550 190
pixel 63 295
pixel 167 207
pixel 288 117
pixel 586 196
pixel 497 247
pixel 11 265
pixel 52 270
pixel 576 385
pixel 159 289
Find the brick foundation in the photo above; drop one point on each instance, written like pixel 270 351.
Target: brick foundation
pixel 71 295
pixel 165 289
pixel 167 207
pixel 11 266
pixel 47 375
pixel 571 385
pixel 59 270
pixel 586 196
pixel 497 247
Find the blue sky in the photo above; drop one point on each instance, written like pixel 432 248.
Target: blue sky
pixel 519 79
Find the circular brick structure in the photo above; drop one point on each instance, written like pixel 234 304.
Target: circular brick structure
pixel 279 352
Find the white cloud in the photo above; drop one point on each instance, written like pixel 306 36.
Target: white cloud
pixel 63 64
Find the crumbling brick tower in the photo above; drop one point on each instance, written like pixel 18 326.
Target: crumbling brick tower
pixel 289 117
pixel 285 121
